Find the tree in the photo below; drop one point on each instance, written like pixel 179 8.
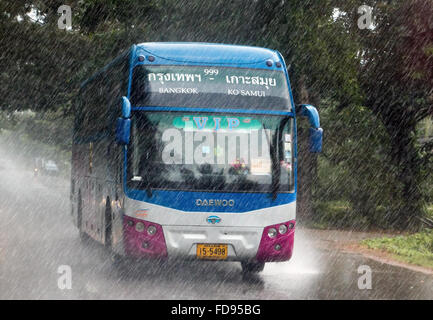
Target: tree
pixel 397 81
pixel 350 74
pixel 302 30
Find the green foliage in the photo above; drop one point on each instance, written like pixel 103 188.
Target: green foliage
pixel 372 87
pixel 415 248
pixel 397 59
pixel 350 168
pixel 430 211
pixel 31 135
pixel 26 149
pixel 337 214
pixel 425 128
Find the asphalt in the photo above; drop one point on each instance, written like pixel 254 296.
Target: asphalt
pixel 37 237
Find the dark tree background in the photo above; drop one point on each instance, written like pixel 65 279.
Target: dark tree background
pixel 373 87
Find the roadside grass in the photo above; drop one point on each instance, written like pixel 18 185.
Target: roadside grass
pixel 339 214
pixel 415 248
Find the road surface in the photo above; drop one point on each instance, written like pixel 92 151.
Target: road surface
pixel 37 237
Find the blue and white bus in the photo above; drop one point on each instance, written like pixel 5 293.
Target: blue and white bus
pixel 188 150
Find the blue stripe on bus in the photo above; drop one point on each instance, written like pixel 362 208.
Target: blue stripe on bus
pixel 186 200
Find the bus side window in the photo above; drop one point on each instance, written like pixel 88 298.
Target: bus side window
pixel 114 162
pixel 117 163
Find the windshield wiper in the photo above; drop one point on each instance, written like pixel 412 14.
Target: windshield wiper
pixel 275 186
pixel 275 156
pixel 149 191
pixel 143 183
pixel 148 187
pixel 146 184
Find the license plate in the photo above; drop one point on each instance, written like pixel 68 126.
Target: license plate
pixel 212 251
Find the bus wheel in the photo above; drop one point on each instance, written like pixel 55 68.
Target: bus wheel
pixel 108 225
pixel 252 267
pixel 115 258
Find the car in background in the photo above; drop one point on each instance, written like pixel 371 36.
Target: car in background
pixel 50 168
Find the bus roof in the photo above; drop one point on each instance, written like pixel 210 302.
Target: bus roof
pixel 214 53
pixel 197 53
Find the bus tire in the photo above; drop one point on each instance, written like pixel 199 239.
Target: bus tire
pixel 252 267
pixel 108 225
pixel 116 259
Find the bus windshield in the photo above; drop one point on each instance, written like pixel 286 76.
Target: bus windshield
pixel 211 152
pixel 214 87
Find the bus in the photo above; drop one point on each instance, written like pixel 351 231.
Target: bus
pixel 189 150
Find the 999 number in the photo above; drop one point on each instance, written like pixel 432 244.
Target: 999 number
pixel 211 72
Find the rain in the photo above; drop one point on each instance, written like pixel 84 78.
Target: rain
pixel 216 150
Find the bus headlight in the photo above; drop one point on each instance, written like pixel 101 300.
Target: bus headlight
pixel 282 228
pixel 151 230
pixel 139 227
pixel 272 232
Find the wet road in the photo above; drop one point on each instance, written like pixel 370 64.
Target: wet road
pixel 37 236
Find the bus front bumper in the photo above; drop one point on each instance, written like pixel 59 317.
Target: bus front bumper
pixel 243 243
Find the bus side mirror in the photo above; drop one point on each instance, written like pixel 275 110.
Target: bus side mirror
pixel 126 108
pixel 316 133
pixel 123 130
pixel 123 124
pixel 316 137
